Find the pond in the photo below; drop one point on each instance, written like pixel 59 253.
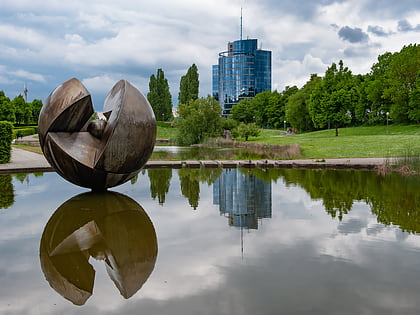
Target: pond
pixel 212 241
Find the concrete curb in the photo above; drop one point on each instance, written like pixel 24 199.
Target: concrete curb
pixel 28 162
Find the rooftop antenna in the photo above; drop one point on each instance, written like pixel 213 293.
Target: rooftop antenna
pixel 25 92
pixel 241 23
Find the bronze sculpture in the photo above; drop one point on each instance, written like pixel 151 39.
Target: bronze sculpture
pixel 97 154
pixel 110 227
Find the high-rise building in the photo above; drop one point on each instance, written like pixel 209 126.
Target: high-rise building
pixel 243 71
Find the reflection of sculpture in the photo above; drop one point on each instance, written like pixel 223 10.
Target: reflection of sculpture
pixel 97 154
pixel 110 227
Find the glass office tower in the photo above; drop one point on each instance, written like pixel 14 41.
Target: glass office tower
pixel 243 71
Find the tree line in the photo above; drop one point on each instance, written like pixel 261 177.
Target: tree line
pixel 18 111
pixel 390 91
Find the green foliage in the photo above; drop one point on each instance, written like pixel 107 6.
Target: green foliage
pixel 25 131
pixel 244 111
pixel 164 124
pixel 159 183
pixel 7 195
pixel 189 86
pixel 331 101
pixel 159 96
pixel 18 111
pixel 7 109
pixel 229 123
pixel 297 107
pixel 6 137
pixel 245 131
pixel 200 119
pixel 36 109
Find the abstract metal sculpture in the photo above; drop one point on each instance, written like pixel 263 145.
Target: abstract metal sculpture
pixel 108 226
pixel 97 154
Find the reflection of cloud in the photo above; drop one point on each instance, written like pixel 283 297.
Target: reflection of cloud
pixel 351 226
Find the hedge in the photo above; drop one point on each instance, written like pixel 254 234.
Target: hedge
pixel 26 131
pixel 6 137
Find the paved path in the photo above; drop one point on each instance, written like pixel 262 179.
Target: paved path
pixel 28 162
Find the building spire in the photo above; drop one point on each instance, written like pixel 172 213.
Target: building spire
pixel 241 23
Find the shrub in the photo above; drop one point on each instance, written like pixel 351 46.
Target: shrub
pixel 26 131
pixel 6 137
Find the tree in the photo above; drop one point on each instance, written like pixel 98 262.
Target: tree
pixel 189 85
pixel 159 96
pixel 401 81
pixel 199 119
pixel 244 111
pixel 276 108
pixel 297 106
pixel 7 109
pixel 331 101
pixel 36 109
pixel 246 130
pixel 23 112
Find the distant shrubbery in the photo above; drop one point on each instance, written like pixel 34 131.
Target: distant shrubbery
pixel 6 137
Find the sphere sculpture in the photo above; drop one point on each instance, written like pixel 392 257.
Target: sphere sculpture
pixel 97 154
pixel 109 227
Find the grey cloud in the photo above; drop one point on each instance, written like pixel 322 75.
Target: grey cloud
pixel 353 35
pixel 378 30
pixel 405 26
pixel 301 8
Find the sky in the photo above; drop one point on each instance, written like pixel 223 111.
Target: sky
pixel 44 43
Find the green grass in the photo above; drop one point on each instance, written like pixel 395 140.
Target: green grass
pixel 163 132
pixel 351 142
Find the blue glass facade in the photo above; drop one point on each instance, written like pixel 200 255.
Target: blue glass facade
pixel 242 198
pixel 243 71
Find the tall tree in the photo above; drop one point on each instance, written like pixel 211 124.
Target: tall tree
pixel 189 85
pixel 159 96
pixel 331 101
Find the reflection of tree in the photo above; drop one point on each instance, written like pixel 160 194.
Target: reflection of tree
pixel 394 199
pixel 190 182
pixel 159 183
pixel 7 195
pixel 397 201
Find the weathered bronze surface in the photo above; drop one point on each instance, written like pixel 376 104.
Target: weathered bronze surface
pixel 106 226
pixel 97 154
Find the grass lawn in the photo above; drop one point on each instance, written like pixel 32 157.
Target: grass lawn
pixel 351 142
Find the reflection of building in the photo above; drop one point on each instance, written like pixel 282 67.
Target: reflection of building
pixel 243 198
pixel 242 72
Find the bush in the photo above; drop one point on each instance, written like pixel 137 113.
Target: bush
pixel 6 137
pixel 26 131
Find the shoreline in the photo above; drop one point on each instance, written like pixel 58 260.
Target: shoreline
pixel 23 161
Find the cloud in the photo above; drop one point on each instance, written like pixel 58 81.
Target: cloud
pixel 28 75
pixel 353 35
pixel 378 31
pixel 405 26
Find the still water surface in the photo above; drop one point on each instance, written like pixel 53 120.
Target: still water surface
pixel 212 242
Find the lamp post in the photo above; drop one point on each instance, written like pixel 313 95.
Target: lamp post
pixel 284 125
pixel 387 116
